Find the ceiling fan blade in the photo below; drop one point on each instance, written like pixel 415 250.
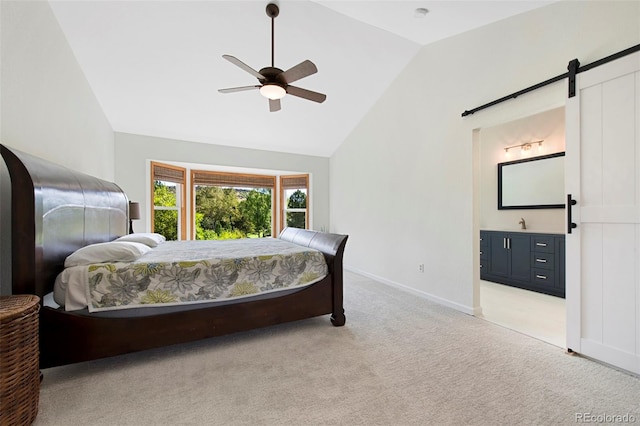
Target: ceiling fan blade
pixel 303 69
pixel 274 105
pixel 244 66
pixel 238 89
pixel 306 94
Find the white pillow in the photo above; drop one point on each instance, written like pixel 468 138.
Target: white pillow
pixel 148 238
pixel 114 251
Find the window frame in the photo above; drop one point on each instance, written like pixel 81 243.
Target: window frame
pixel 181 196
pixel 283 201
pixel 233 180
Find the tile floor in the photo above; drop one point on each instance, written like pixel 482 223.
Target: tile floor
pixel 537 315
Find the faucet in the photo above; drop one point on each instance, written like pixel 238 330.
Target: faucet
pixel 524 225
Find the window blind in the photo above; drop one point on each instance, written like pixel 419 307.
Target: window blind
pixel 234 180
pixel 168 174
pixel 294 182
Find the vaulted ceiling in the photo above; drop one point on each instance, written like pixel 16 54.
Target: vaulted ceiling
pixel 156 66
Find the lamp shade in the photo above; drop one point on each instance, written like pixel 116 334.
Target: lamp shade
pixel 134 210
pixel 272 91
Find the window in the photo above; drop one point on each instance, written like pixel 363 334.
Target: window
pixel 294 192
pixel 225 205
pixel 168 200
pixel 232 205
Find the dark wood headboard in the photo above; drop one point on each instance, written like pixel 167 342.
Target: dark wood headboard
pixel 55 211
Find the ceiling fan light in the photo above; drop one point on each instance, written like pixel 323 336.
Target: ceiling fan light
pixel 272 91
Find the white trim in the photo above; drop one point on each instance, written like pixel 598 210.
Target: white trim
pixel 439 300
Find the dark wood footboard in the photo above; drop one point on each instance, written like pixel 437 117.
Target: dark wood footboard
pixel 332 245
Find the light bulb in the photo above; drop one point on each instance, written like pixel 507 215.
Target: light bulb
pixel 272 91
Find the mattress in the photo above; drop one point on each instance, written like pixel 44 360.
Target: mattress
pixel 191 272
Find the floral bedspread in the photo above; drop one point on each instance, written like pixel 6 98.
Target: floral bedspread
pixel 178 272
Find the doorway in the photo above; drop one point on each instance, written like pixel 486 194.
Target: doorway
pixel 535 314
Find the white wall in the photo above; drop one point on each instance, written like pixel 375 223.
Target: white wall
pixel 5 219
pixel 48 108
pixel 133 153
pixel 547 126
pixel 402 184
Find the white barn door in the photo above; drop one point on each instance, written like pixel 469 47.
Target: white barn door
pixel 603 251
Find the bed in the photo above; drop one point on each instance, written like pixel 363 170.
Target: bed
pixel 55 211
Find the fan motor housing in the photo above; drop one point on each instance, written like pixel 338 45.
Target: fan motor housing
pixel 272 75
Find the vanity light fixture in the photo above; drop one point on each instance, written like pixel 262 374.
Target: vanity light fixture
pixel 525 148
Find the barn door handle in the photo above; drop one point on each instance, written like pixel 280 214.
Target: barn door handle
pixel 570 224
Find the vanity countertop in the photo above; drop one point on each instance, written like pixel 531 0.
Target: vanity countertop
pixel 528 231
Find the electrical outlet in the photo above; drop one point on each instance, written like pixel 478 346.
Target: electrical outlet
pixel 421 267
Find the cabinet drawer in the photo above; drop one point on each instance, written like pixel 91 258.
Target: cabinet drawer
pixel 543 244
pixel 543 260
pixel 543 277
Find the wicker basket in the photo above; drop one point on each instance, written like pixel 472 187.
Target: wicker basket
pixel 19 370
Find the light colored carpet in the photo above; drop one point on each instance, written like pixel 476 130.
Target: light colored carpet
pixel 399 360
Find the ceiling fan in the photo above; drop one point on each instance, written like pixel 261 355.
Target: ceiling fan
pixel 275 83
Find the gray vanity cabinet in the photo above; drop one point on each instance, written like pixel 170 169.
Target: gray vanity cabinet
pixel 521 259
pixel 508 255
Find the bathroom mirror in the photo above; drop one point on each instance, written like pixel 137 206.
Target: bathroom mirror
pixel 532 183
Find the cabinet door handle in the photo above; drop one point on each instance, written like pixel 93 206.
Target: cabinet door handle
pixel 542 277
pixel 480 252
pixel 541 244
pixel 506 243
pixel 541 260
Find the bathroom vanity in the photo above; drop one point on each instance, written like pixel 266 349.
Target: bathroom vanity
pixel 528 260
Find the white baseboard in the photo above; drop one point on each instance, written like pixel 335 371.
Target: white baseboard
pixel 441 301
